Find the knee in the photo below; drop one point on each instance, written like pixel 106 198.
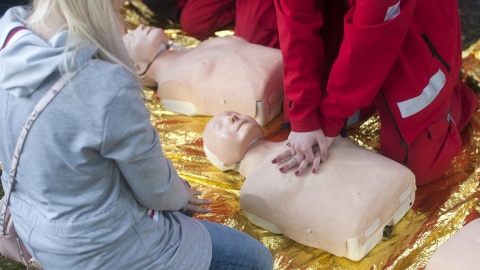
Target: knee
pixel 264 260
pixel 432 157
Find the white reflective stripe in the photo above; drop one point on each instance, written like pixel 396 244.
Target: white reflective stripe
pixel 429 93
pixel 392 12
pixel 354 118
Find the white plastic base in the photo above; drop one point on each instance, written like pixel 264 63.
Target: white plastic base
pixel 355 251
pixel 181 107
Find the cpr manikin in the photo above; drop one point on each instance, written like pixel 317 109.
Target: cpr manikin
pixel 460 251
pixel 342 209
pixel 223 73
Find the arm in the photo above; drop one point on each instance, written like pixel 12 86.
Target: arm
pixel 367 54
pixel 299 25
pixel 131 140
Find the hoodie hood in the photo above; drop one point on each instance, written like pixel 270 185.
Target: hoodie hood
pixel 27 60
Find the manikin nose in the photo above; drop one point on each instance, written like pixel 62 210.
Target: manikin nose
pixel 232 118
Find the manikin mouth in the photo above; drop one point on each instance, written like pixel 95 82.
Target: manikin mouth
pixel 239 125
pixel 242 123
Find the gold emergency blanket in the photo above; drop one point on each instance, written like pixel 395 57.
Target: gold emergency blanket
pixel 440 208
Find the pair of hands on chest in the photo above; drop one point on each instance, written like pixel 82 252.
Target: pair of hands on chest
pixel 305 148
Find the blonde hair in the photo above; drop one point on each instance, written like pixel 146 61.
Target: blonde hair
pixel 96 22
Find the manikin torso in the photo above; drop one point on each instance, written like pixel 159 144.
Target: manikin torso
pixel 460 251
pixel 352 197
pixel 221 74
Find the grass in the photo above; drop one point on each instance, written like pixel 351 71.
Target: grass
pixel 7 264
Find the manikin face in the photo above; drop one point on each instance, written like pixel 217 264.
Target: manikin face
pixel 143 43
pixel 228 135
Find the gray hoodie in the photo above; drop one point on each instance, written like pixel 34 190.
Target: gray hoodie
pixel 91 165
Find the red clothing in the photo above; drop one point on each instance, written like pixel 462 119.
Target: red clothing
pixel 202 18
pixel 412 52
pixel 255 21
pixel 432 152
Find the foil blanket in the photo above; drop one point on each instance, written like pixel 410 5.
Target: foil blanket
pixel 440 209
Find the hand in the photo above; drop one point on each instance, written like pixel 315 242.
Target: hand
pixel 317 151
pixel 291 161
pixel 195 204
pixel 301 145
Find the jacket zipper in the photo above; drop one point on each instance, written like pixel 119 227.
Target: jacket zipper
pixel 435 53
pixel 402 142
pixel 344 1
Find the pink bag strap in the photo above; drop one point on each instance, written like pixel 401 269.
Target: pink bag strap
pixel 44 101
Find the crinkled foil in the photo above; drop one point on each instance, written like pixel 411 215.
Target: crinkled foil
pixel 440 208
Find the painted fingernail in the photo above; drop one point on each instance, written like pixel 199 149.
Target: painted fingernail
pixel 282 169
pixel 314 170
pixel 297 173
pixel 274 161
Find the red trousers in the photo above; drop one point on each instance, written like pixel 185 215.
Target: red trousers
pixel 255 21
pixel 202 18
pixel 431 154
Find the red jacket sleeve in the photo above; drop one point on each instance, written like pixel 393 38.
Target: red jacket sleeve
pixel 366 57
pixel 299 25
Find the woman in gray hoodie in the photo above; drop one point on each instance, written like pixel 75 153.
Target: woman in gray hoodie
pixel 92 163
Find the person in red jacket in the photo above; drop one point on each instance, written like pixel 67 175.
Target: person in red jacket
pixel 254 21
pixel 402 56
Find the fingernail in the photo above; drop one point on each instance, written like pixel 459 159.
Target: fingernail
pixel 314 171
pixel 297 173
pixel 282 169
pixel 274 161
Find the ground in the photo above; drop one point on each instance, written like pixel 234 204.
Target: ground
pixel 470 15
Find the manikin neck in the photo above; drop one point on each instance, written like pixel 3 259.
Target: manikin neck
pixel 256 154
pixel 162 63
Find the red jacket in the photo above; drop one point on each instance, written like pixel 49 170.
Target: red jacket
pixel 413 56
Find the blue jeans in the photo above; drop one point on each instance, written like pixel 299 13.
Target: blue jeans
pixel 233 249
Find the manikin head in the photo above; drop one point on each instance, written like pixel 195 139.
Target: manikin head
pixel 227 136
pixel 143 45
